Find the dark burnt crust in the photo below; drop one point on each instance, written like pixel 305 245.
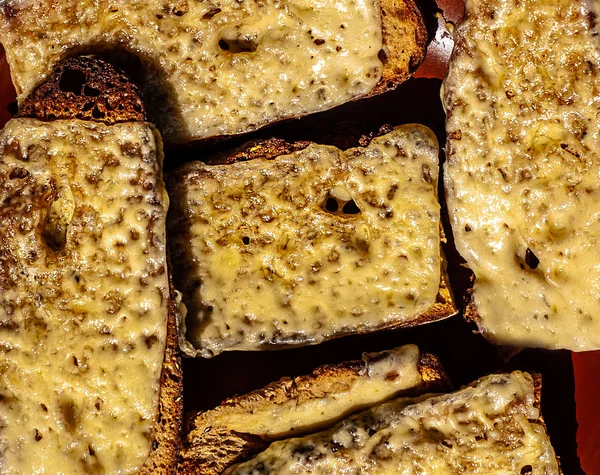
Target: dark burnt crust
pixel 267 149
pixel 85 88
pixel 208 449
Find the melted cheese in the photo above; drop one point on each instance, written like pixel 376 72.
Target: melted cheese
pixel 213 67
pixel 84 296
pixel 383 376
pixel 491 428
pixel 523 171
pixel 261 260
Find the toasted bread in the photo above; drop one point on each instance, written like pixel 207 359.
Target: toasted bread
pixel 227 221
pixel 216 439
pixel 227 67
pixel 164 432
pixel 521 175
pixel 85 88
pixel 490 426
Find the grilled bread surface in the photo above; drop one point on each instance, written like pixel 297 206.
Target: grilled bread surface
pixel 225 67
pixel 309 246
pixel 244 425
pixel 489 427
pixel 522 172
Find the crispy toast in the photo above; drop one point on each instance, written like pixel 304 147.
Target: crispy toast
pixel 351 222
pixel 227 67
pixel 245 425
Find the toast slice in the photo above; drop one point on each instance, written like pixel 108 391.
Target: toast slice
pixel 223 67
pixel 85 88
pixel 522 174
pixel 90 376
pixel 491 426
pixel 309 246
pixel 244 425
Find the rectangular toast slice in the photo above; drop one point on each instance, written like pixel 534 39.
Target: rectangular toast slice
pixel 90 378
pixel 522 176
pixel 309 246
pixel 244 425
pixel 227 66
pixel 492 426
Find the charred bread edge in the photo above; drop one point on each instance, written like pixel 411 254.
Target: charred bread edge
pixel 399 60
pixel 199 457
pixel 444 305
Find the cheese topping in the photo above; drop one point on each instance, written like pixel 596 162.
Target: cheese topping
pixel 83 296
pixel 383 376
pixel 307 246
pixel 491 428
pixel 523 171
pixel 214 67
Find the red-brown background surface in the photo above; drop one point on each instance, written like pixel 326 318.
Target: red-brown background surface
pixel 562 381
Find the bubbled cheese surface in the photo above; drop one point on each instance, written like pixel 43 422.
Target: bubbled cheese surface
pixel 214 67
pixel 83 296
pixel 491 428
pixel 523 170
pixel 307 246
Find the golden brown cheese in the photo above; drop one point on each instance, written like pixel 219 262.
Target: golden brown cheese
pixel 83 295
pixel 383 376
pixel 307 246
pixel 491 427
pixel 214 67
pixel 523 171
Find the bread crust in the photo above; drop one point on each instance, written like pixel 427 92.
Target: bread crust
pixel 163 455
pixel 208 449
pixel 86 88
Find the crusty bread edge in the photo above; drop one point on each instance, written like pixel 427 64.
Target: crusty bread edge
pixel 247 445
pixel 166 430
